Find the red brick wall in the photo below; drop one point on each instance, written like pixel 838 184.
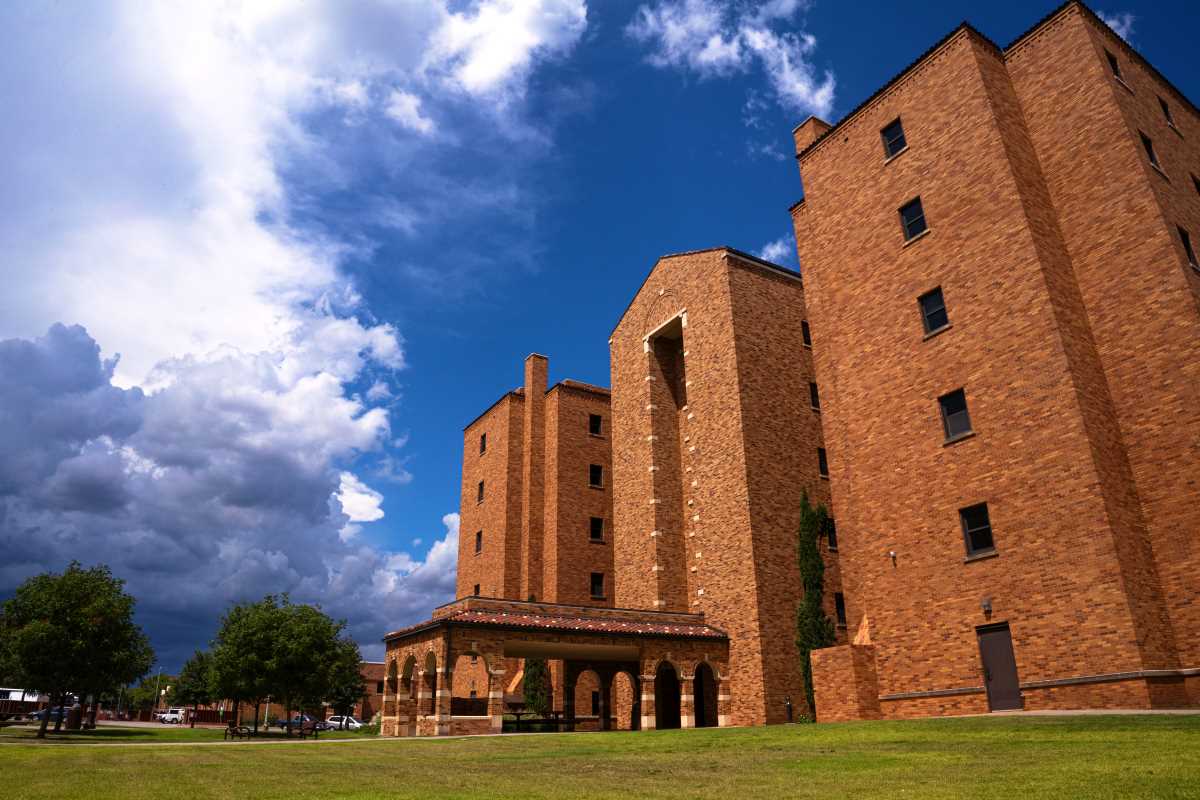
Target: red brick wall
pixel 844 683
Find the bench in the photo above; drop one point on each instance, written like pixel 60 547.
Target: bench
pixel 237 732
pixel 309 729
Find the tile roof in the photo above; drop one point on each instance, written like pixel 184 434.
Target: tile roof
pixel 567 624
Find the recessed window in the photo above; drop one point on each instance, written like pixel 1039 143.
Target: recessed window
pixel 1114 65
pixel 822 463
pixel 1187 246
pixel 1166 109
pixel 893 138
pixel 595 424
pixel 478 541
pixel 479 493
pixel 933 310
pixel 831 533
pixel 839 605
pixel 597 585
pixel 912 219
pixel 813 396
pixel 805 333
pixel 378 687
pixel 977 529
pixel 596 533
pixel 955 419
pixel 1149 146
pixel 482 443
pixel 595 475
pixel 475 591
pixel 1196 183
pixel 595 704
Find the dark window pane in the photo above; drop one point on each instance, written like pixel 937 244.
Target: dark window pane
pixel 831 533
pixel 1166 110
pixel 893 138
pixel 813 396
pixel 597 531
pixel 597 584
pixel 595 703
pixel 954 413
pixel 933 310
pixel 822 462
pixel 1187 246
pixel 806 334
pixel 476 592
pixel 1196 183
pixel 482 443
pixel 479 541
pixel 479 493
pixel 912 217
pixel 594 424
pixel 596 475
pixel 1113 64
pixel 1149 145
pixel 977 528
pixel 839 603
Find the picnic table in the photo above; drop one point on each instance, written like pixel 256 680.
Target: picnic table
pixel 233 731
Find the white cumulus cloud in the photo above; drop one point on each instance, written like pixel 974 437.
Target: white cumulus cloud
pixel 1121 22
pixel 780 251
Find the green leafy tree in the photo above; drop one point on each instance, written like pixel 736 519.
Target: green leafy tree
pixel 73 632
pixel 147 694
pixel 814 630
pixel 346 685
pixel 309 641
pixel 194 686
pixel 538 696
pixel 243 653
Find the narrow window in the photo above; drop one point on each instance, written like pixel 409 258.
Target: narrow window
pixel 839 605
pixel 1166 112
pixel 597 530
pixel 977 529
pixel 1187 247
pixel 955 419
pixel 1114 65
pixel 1196 183
pixel 822 463
pixel 597 585
pixel 933 310
pixel 831 533
pixel 479 493
pixel 912 218
pixel 474 658
pixel 595 704
pixel 1149 145
pixel 473 693
pixel 475 591
pixel 478 541
pixel 595 475
pixel 805 333
pixel 482 443
pixel 595 424
pixel 378 687
pixel 893 138
pixel 813 396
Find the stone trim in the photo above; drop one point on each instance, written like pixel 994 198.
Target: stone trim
pixel 1108 677
pixel 932 693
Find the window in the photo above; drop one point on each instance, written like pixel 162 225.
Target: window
pixel 1149 145
pixel 597 531
pixel 1166 112
pixel 473 694
pixel 596 704
pixel 977 529
pixel 1114 65
pixel 478 541
pixel 893 138
pixel 595 424
pixel 479 493
pixel 595 475
pixel 955 419
pixel 839 605
pixel 1196 183
pixel 597 585
pixel 933 310
pixel 805 333
pixel 1187 247
pixel 378 687
pixel 831 533
pixel 482 443
pixel 912 218
pixel 822 463
pixel 475 591
pixel 813 397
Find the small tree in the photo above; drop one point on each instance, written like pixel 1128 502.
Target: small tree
pixel 537 686
pixel 73 632
pixel 243 653
pixel 814 630
pixel 346 685
pixel 194 686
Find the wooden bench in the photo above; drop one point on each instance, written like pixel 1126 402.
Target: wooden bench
pixel 237 732
pixel 309 729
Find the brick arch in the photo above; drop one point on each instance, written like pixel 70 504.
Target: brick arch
pixel 668 684
pixel 661 309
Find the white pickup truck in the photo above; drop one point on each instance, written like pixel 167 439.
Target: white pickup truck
pixel 173 716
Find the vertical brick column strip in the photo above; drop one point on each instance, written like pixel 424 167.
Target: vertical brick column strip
pixel 533 469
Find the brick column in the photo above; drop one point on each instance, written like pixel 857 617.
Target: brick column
pixel 496 698
pixel 647 698
pixel 687 704
pixel 724 702
pixel 533 476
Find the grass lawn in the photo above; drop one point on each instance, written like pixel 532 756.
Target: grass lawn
pixel 114 732
pixel 1025 757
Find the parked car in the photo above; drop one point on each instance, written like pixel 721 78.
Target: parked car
pixel 342 723
pixel 295 722
pixel 173 716
pixel 54 713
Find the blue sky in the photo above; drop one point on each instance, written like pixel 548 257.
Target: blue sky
pixel 323 237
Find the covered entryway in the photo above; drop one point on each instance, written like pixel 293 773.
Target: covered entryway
pixel 666 696
pixel 704 688
pixel 999 667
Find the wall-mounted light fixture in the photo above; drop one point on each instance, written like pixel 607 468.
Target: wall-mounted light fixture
pixel 986 605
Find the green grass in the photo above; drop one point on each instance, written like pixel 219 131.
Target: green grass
pixel 115 733
pixel 1024 757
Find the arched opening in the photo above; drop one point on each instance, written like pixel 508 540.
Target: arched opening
pixel 428 704
pixel 408 687
pixel 626 703
pixel 704 696
pixel 391 686
pixel 666 696
pixel 469 686
pixel 588 701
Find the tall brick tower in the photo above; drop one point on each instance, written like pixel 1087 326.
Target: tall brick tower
pixel 998 253
pixel 717 434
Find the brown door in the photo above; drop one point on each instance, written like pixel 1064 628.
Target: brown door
pixel 999 667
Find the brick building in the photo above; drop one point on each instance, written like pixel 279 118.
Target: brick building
pixel 1005 314
pixel 990 374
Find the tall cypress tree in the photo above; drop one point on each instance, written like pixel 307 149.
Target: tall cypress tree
pixel 537 686
pixel 814 630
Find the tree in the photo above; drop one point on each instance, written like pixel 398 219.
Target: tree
pixel 243 651
pixel 814 630
pixel 537 686
pixel 73 632
pixel 194 686
pixel 345 679
pixel 309 641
